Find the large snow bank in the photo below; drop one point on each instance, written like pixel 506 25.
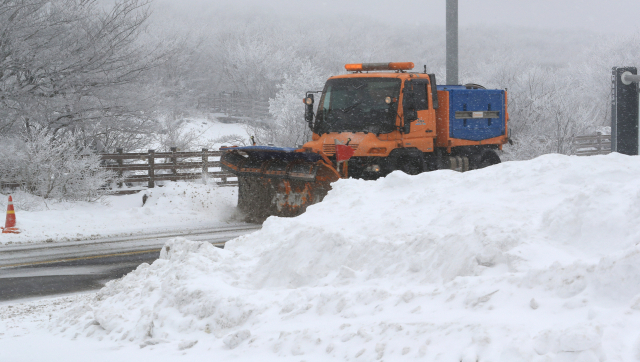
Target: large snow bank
pixel 524 261
pixel 176 206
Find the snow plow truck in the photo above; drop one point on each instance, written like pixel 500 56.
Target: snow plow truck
pixel 377 118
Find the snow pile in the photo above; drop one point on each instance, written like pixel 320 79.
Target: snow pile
pixel 176 206
pixel 524 261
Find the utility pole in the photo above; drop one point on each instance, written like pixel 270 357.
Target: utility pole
pixel 452 42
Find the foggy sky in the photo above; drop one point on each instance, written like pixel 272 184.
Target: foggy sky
pixel 602 16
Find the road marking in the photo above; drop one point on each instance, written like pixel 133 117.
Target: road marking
pixel 90 257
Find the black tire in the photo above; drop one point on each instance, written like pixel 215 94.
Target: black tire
pixel 489 158
pixel 411 165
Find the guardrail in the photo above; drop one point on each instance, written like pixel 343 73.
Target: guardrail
pixel 591 145
pixel 145 168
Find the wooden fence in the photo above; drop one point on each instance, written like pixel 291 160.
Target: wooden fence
pixel 591 145
pixel 152 166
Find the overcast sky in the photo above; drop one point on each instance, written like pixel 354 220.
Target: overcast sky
pixel 610 16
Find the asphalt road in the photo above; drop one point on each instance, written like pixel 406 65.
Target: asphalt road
pixel 44 270
pixel 67 277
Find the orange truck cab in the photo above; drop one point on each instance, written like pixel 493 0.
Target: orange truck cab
pixel 394 119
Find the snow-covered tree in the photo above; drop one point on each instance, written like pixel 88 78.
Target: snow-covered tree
pixel 53 167
pixel 288 127
pixel 68 64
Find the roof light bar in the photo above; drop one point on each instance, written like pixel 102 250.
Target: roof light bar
pixel 378 66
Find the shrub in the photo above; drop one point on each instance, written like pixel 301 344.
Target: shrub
pixel 53 167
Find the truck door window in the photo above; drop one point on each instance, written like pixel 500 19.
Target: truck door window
pixel 421 98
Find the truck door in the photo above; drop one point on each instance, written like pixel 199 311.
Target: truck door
pixel 422 128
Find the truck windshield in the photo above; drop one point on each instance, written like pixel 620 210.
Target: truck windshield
pixel 358 105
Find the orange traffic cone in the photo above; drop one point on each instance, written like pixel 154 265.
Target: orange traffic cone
pixel 10 225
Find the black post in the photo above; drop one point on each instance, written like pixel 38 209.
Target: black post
pixel 152 172
pixel 624 111
pixel 174 161
pixel 205 165
pixel 120 165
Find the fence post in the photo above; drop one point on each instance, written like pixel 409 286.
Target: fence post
pixel 205 165
pixel 599 148
pixel 120 165
pixel 152 172
pixel 174 161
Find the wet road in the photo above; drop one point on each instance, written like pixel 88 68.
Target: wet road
pixel 67 277
pixel 43 270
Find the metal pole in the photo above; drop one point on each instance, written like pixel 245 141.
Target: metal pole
pixel 625 110
pixel 627 78
pixel 452 42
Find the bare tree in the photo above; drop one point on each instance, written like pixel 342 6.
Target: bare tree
pixel 72 64
pixel 255 63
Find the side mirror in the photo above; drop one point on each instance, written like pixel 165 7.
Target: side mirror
pixel 410 114
pixel 407 127
pixel 308 109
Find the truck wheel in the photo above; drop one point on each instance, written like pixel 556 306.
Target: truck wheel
pixel 489 158
pixel 411 165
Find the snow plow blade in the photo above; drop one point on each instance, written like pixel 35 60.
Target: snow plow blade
pixel 277 181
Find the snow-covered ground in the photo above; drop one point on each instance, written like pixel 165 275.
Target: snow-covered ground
pixel 523 261
pixel 177 206
pixel 212 133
